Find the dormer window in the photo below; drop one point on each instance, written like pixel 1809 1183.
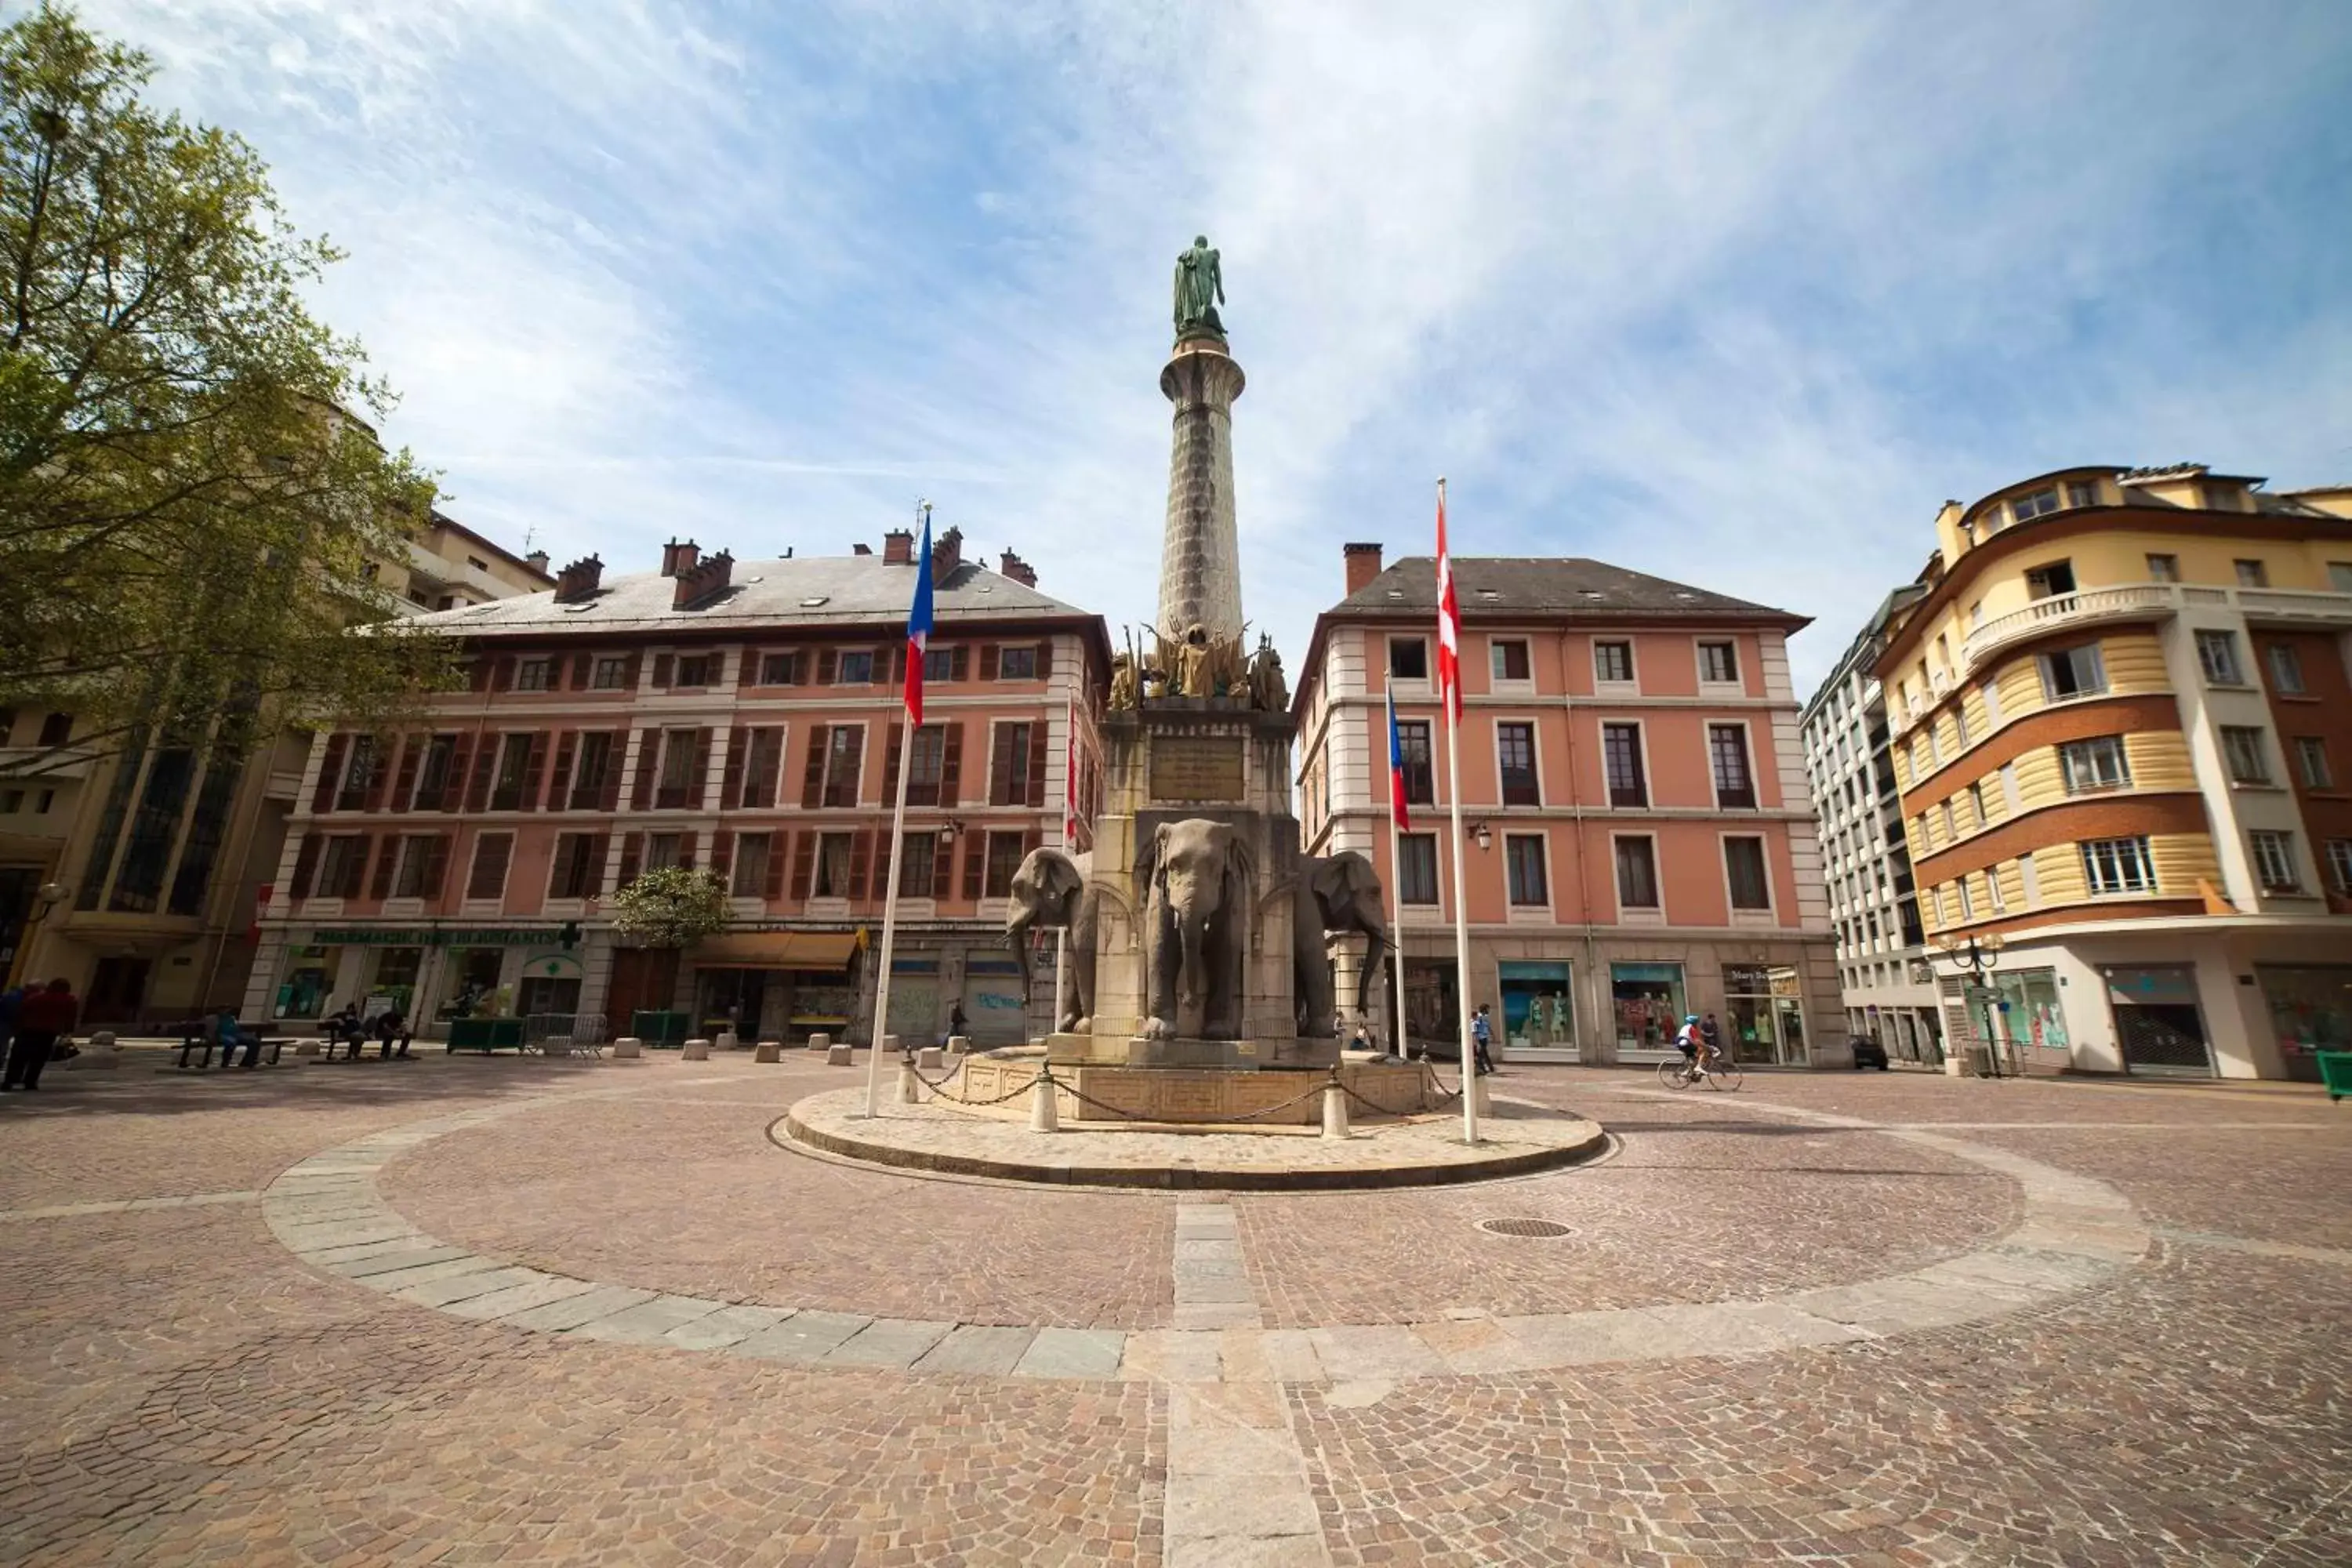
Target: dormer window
pixel 2037 503
pixel 2082 492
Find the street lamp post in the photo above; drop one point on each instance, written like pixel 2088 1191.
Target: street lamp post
pixel 1981 957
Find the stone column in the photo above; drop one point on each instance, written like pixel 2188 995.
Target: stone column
pixel 1199 555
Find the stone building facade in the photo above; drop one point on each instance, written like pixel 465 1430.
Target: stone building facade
pixel 1882 966
pixel 743 717
pixel 2120 714
pixel 140 871
pixel 1642 832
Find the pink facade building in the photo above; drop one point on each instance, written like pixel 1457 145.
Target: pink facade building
pixel 742 716
pixel 1641 835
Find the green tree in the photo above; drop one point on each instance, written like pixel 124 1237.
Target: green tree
pixel 671 908
pixel 189 493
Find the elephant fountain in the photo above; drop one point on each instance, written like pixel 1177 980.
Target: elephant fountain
pixel 1049 893
pixel 1333 893
pixel 1200 876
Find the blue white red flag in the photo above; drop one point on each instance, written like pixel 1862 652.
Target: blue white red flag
pixel 1396 769
pixel 919 626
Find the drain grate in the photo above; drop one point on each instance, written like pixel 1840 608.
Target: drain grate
pixel 1526 1227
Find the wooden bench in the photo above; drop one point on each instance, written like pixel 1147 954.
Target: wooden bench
pixel 196 1037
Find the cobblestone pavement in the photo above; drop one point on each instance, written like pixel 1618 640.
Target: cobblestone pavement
pixel 604 1366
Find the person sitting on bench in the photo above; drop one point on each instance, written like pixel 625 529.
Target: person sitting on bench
pixel 344 1028
pixel 227 1034
pixel 392 1028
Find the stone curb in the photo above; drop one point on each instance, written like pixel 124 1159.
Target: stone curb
pixel 1176 1179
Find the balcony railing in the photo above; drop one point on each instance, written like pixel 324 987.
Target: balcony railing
pixel 2143 601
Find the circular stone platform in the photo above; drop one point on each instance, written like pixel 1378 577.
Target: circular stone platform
pixel 1516 1138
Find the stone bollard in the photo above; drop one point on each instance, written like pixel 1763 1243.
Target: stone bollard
pixel 727 1041
pixel 310 1048
pixel 100 1052
pixel 910 1087
pixel 1335 1112
pixel 836 1056
pixel 958 1045
pixel 929 1060
pixel 1043 1115
pixel 697 1050
pixel 819 1042
pixel 626 1046
pixel 767 1051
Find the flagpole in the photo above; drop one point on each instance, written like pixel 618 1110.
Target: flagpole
pixel 1469 1062
pixel 898 819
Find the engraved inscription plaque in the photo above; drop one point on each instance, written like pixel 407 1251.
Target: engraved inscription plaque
pixel 1189 768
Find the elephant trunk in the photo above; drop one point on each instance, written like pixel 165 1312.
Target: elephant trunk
pixel 1375 948
pixel 1016 937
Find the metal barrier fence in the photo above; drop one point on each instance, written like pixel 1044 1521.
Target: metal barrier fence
pixel 556 1033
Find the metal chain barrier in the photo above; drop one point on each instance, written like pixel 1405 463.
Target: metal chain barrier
pixel 941 1090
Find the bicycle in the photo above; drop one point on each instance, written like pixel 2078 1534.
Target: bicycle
pixel 1681 1072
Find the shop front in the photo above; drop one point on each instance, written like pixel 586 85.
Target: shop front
pixel 1763 1015
pixel 1433 1003
pixel 776 984
pixel 431 973
pixel 994 1008
pixel 2310 1007
pixel 1646 1002
pixel 2159 1026
pixel 1538 1014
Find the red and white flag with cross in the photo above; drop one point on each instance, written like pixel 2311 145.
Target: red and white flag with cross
pixel 1449 618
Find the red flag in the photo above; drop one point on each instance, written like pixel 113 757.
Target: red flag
pixel 1449 617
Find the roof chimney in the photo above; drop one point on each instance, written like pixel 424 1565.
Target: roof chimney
pixel 679 558
pixel 578 581
pixel 898 547
pixel 537 561
pixel 1020 571
pixel 698 582
pixel 861 548
pixel 946 555
pixel 1364 565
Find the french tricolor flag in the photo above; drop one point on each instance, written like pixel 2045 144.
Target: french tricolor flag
pixel 919 626
pixel 1396 769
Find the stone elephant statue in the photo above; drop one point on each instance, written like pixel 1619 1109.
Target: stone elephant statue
pixel 1334 892
pixel 1050 893
pixel 1199 877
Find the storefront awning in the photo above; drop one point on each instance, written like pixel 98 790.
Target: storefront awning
pixel 776 950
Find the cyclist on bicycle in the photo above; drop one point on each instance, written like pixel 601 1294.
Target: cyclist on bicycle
pixel 1692 1043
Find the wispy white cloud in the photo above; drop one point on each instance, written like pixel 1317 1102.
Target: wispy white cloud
pixel 1727 294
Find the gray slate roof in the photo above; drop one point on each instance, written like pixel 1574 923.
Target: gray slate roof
pixel 1490 585
pixel 849 591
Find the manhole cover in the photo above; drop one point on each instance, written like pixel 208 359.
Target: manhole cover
pixel 1526 1228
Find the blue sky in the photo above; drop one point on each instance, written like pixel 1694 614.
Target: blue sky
pixel 1735 294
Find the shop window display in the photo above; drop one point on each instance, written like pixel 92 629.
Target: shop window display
pixel 1536 1012
pixel 1647 1000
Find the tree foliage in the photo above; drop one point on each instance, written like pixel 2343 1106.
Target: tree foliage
pixel 673 907
pixel 189 496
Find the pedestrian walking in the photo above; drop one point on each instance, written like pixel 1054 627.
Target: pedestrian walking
pixel 1482 1036
pixel 1712 1034
pixel 10 1000
pixel 41 1017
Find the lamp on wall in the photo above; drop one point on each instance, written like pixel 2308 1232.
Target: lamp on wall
pixel 948 831
pixel 1484 832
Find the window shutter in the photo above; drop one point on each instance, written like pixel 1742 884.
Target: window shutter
pixel 959 662
pixel 826 663
pixel 641 794
pixel 561 779
pixel 412 754
pixel 306 864
pixel 951 762
pixel 486 767
pixel 381 784
pixel 534 770
pixel 633 854
pixel 804 864
pixel 942 866
pixel 686 845
pixel 610 800
pixel 1000 771
pixel 891 760
pixel 637 667
pixel 861 851
pixel 975 861
pixel 767 780
pixel 453 782
pixel 779 846
pixel 853 767
pixel 1031 839
pixel 477 675
pixel 491 851
pixel 1037 733
pixel 723 854
pixel 583 664
pixel 718 667
pixel 436 864
pixel 662 665
pixel 1046 660
pixel 734 743
pixel 504 678
pixel 898 665
pixel 330 773
pixel 988 661
pixel 701 769
pixel 813 788
pixel 387 850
